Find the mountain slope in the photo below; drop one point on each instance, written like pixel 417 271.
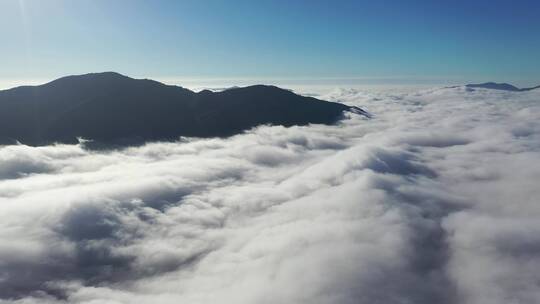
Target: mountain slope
pixel 115 109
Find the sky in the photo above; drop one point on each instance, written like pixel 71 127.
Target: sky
pixel 367 41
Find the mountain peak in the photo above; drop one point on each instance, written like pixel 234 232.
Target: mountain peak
pixel 93 76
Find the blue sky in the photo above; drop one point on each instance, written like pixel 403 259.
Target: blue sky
pixel 406 40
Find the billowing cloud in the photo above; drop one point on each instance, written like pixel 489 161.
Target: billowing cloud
pixel 432 200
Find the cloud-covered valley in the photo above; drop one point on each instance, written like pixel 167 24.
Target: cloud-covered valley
pixel 434 199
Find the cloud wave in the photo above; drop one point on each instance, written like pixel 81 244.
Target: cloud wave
pixel 432 200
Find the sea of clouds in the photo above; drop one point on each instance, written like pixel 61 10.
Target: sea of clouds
pixel 435 199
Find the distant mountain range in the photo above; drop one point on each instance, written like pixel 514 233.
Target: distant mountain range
pixel 113 109
pixel 500 86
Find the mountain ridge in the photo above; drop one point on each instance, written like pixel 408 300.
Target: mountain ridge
pixel 114 109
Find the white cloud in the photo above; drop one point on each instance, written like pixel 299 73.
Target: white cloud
pixel 433 200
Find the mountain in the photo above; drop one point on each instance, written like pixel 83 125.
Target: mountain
pixel 113 109
pixel 500 86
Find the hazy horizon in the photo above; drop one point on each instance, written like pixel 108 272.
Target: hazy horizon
pixel 199 83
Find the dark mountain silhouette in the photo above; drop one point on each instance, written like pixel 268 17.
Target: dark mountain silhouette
pixel 113 109
pixel 499 86
pixel 530 89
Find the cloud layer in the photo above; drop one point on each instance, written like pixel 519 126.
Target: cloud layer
pixel 433 200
